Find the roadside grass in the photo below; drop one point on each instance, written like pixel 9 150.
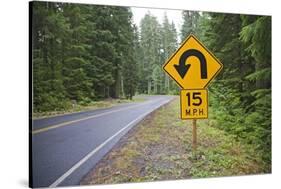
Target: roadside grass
pixel 159 148
pixel 91 106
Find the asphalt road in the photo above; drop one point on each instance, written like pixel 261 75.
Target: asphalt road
pixel 65 148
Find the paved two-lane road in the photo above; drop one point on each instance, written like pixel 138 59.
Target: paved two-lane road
pixel 65 148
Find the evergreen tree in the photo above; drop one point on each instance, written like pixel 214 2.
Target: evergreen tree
pixel 150 42
pixel 241 94
pixel 256 35
pixel 190 23
pixel 48 33
pixel 130 57
pixel 169 46
pixel 77 83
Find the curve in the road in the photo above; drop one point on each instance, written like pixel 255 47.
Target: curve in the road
pixel 62 156
pixel 36 131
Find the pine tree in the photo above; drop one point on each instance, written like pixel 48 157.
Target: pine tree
pixel 150 42
pixel 102 52
pixel 129 56
pixel 256 35
pixel 241 94
pixel 77 83
pixel 190 23
pixel 48 33
pixel 169 46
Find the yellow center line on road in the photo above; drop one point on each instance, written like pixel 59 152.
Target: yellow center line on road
pixel 82 119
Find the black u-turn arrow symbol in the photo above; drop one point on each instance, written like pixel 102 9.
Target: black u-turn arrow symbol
pixel 182 69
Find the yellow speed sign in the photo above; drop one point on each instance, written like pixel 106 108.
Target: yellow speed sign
pixel 194 104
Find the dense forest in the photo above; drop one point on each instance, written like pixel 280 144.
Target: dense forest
pixel 241 94
pixel 85 53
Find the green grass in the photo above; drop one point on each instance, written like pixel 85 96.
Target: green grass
pixel 160 149
pixel 91 106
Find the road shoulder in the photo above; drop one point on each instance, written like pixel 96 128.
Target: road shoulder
pixel 159 148
pixel 98 105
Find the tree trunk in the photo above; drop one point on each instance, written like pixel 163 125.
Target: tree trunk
pixel 115 88
pixel 148 87
pixel 122 94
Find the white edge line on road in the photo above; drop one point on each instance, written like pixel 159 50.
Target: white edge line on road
pixel 89 155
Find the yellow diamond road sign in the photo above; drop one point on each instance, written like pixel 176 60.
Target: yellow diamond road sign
pixel 192 66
